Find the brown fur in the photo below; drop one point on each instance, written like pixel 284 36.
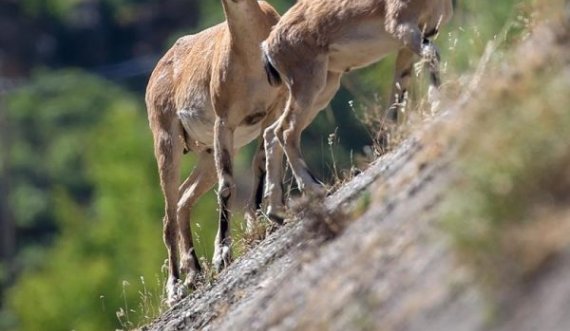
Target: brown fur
pixel 209 93
pixel 316 41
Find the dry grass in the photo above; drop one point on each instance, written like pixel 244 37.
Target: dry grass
pixel 508 212
pixel 151 303
pixel 387 135
pixel 262 227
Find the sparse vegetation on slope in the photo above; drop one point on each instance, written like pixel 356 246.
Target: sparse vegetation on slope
pixel 508 212
pixel 497 159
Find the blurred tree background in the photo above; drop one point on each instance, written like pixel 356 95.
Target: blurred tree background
pixel 80 203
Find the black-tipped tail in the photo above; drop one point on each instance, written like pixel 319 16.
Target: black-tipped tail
pixel 273 76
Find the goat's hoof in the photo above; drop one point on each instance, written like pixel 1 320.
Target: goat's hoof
pixel 191 267
pixel 276 214
pixel 434 99
pixel 222 258
pixel 430 53
pixel 175 291
pixel 191 277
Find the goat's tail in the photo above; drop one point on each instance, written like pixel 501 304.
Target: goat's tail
pixel 273 76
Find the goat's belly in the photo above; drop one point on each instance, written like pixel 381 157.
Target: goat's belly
pixel 199 126
pixel 360 46
pixel 351 56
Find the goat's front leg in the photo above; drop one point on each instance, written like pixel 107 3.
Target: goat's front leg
pixel 402 79
pixel 412 38
pixel 432 61
pixel 223 151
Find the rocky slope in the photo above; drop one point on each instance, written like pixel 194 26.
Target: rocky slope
pixel 373 256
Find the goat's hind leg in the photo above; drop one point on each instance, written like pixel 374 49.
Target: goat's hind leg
pixel 274 177
pixel 168 149
pixel 288 129
pixel 199 182
pixel 267 166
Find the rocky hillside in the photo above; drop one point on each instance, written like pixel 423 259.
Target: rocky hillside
pixel 380 253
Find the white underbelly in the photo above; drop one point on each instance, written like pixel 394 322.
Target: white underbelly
pixel 199 125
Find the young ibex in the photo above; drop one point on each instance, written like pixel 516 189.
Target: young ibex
pixel 316 41
pixel 209 94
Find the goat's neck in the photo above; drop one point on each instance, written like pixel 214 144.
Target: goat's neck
pixel 248 26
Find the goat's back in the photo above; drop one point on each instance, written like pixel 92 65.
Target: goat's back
pixel 186 67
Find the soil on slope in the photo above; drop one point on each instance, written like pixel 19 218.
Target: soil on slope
pixel 390 267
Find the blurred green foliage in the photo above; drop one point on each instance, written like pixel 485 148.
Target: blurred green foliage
pixel 82 167
pixel 211 11
pixel 514 179
pixel 87 143
pixel 65 9
pixel 91 152
pixel 48 121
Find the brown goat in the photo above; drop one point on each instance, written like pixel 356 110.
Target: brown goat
pixel 316 41
pixel 209 94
